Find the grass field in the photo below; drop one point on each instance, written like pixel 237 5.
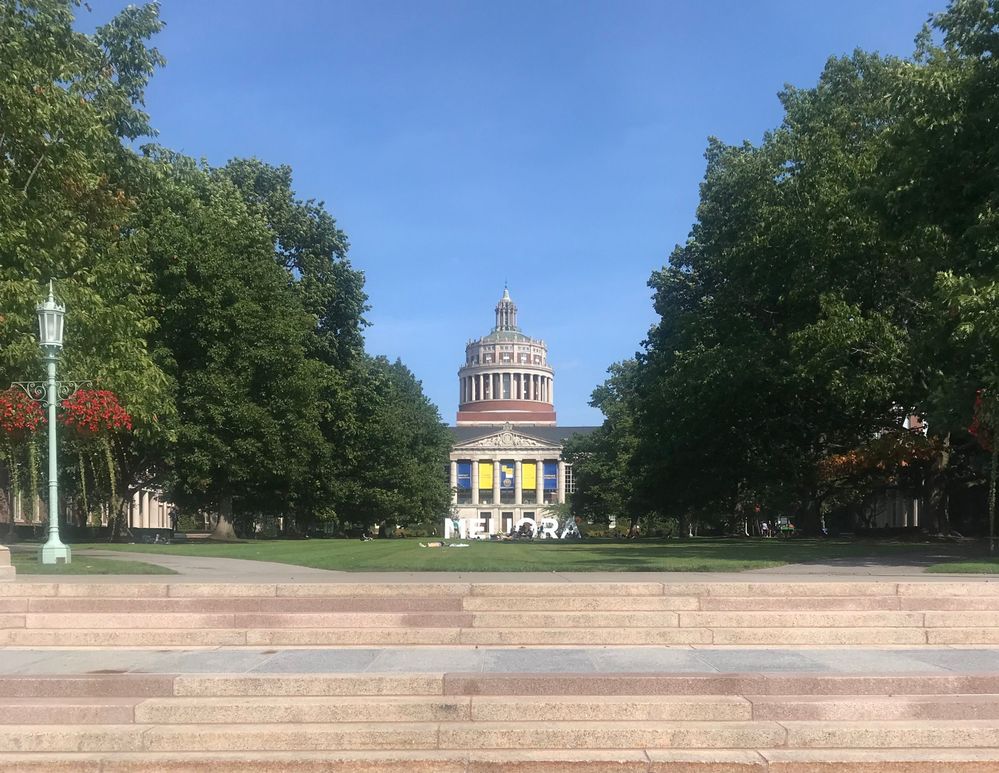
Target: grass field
pixel 984 566
pixel 695 555
pixel 27 563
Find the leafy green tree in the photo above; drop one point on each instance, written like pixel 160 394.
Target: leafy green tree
pixel 399 451
pixel 800 320
pixel 308 243
pixel 232 337
pixel 604 463
pixel 68 103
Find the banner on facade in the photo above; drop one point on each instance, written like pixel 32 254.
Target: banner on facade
pixel 464 475
pixel 485 475
pixel 529 472
pixel 506 475
pixel 551 476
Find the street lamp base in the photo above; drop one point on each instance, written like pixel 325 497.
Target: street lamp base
pixel 54 554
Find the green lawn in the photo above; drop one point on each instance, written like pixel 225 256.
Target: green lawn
pixel 696 555
pixel 983 566
pixel 27 563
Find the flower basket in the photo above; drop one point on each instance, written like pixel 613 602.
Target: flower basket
pixel 93 413
pixel 20 416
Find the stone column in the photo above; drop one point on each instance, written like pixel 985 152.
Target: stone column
pixel 496 482
pixel 146 496
pixel 454 482
pixel 561 482
pixel 135 515
pixel 539 481
pixel 518 491
pixel 551 391
pixel 475 481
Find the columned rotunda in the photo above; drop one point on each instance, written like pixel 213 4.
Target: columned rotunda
pixel 506 376
pixel 506 463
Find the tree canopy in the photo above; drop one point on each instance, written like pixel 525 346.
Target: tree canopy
pixel 219 308
pixel 839 278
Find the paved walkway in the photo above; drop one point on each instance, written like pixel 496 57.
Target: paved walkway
pixel 666 660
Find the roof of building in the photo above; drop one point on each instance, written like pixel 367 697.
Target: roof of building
pixel 547 434
pixel 506 335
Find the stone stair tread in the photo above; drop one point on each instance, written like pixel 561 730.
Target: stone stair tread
pixel 520 761
pixel 839 708
pixel 502 735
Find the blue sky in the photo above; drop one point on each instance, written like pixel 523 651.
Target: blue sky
pixel 554 145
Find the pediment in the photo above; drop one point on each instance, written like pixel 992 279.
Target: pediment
pixel 506 438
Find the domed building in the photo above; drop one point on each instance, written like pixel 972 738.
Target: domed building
pixel 506 376
pixel 506 463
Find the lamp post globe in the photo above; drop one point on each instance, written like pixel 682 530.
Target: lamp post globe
pixel 51 316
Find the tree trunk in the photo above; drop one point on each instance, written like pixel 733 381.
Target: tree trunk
pixel 809 519
pixel 119 520
pixel 937 498
pixel 992 497
pixel 683 527
pixel 223 528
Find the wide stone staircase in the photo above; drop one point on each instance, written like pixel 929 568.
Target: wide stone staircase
pixel 163 676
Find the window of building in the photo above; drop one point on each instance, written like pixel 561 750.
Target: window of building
pixel 570 483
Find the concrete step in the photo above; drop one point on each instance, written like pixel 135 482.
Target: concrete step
pixel 174 620
pixel 515 709
pixel 438 708
pixel 67 711
pixel 349 736
pixel 520 761
pixel 775 684
pixel 549 590
pixel 255 605
pixel 305 637
pixel 900 606
pixel 784 708
pixel 528 687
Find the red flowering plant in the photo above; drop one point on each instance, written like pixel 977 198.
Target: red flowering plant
pixel 980 425
pixel 94 412
pixel 19 414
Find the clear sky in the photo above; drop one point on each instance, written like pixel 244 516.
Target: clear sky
pixel 551 144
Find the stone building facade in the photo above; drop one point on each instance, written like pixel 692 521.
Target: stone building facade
pixel 506 462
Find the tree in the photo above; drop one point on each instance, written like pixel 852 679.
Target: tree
pixel 68 101
pixel 604 462
pixel 800 320
pixel 399 451
pixel 232 337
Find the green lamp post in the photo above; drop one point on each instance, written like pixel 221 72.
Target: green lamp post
pixel 50 326
pixel 51 316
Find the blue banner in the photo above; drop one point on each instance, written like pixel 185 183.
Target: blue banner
pixel 506 475
pixel 464 475
pixel 551 476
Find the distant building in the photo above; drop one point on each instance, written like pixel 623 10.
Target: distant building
pixel 506 463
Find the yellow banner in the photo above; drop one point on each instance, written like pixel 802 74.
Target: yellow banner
pixel 485 475
pixel 529 471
